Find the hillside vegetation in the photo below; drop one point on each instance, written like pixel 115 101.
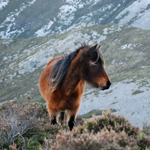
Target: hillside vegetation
pixel 28 127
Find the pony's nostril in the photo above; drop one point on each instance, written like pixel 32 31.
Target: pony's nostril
pixel 102 86
pixel 108 84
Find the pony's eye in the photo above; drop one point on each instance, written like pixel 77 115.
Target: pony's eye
pixel 96 62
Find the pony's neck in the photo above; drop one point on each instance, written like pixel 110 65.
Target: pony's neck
pixel 70 83
pixel 72 79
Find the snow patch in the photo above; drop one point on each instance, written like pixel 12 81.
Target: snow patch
pixel 78 2
pixel 129 46
pixel 66 14
pixel 116 7
pixel 145 66
pixel 106 7
pixel 44 30
pixel 97 37
pixel 32 2
pixel 10 22
pixel 136 10
pixel 143 20
pixel 3 3
pixel 112 29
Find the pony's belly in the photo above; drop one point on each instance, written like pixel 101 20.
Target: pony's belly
pixel 63 105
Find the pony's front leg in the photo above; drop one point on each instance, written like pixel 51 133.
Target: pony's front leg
pixel 72 117
pixel 71 122
pixel 53 120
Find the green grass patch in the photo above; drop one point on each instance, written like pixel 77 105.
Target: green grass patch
pixel 95 112
pixel 114 103
pixel 108 92
pixel 137 92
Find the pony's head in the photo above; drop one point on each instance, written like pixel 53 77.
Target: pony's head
pixel 91 67
pixel 86 63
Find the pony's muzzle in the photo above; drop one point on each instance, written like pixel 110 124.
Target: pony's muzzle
pixel 103 87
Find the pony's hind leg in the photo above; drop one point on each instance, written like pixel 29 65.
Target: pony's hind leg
pixel 53 114
pixel 60 117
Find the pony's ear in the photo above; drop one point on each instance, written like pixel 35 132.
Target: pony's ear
pixel 94 48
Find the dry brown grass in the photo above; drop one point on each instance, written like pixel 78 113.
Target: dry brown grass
pixel 28 127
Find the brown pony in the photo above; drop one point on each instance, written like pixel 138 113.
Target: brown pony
pixel 62 82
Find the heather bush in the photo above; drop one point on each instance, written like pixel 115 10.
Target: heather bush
pixel 24 126
pixel 108 132
pixel 89 141
pixel 146 128
pixel 143 143
pixel 16 120
pixel 28 126
pixel 111 122
pixel 102 140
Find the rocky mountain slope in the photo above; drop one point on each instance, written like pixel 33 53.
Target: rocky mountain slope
pixel 126 53
pixel 32 18
pixel 34 31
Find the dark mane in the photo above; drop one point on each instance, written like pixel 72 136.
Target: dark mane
pixel 61 67
pixel 100 56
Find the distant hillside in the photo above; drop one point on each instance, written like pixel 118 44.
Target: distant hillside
pixel 33 18
pixel 125 49
pixel 126 53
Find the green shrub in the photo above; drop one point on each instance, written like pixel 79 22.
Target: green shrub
pixel 33 144
pixel 146 128
pixel 44 108
pixel 143 143
pixel 137 92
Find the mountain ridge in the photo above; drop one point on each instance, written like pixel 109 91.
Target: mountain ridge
pixel 34 18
